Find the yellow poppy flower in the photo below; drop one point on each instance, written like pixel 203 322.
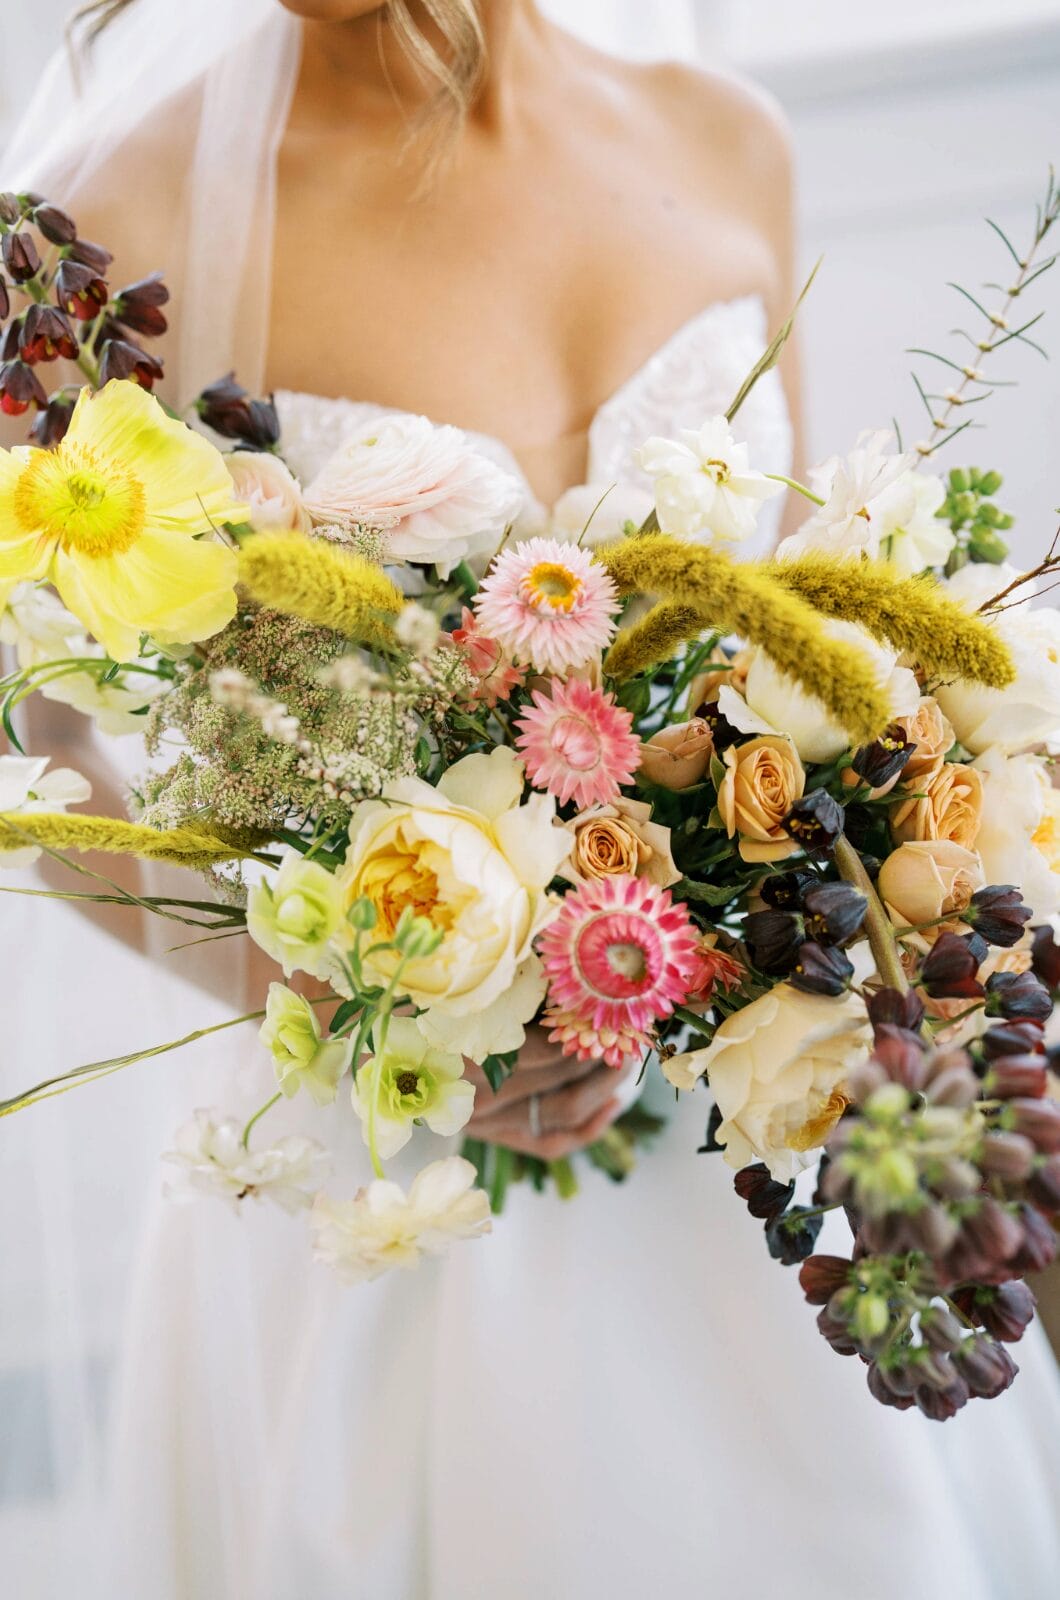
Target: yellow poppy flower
pixel 110 517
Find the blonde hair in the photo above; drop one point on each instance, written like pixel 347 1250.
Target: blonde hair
pixel 456 70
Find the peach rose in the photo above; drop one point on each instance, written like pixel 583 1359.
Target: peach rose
pixel 763 779
pixel 678 756
pixel 948 806
pixel 928 729
pixel 929 878
pixel 621 838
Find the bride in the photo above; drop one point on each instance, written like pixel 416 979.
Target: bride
pixel 454 208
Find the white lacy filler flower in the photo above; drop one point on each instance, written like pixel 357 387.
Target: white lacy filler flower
pixel 471 857
pixel 777 1069
pixel 211 1160
pixel 772 702
pixel 383 1228
pixel 1027 711
pixel 26 785
pixel 705 488
pixel 439 498
pixel 876 504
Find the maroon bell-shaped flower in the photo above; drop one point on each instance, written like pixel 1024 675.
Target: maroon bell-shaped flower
pixel 80 291
pixel 998 914
pixel 815 822
pixel 20 388
pixel 1017 1077
pixel 95 256
pixel 227 408
pixel 1017 996
pixel 822 1276
pixel 1039 1247
pixel 20 256
pixel 120 359
pixel 5 299
pixel 986 1367
pixel 46 336
pixel 55 225
pixel 139 306
pixel 51 423
pixel 1045 957
pixel 900 1010
pixel 1012 1039
pixel 1038 1120
pixel 950 967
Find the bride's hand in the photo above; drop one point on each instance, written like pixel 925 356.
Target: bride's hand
pixel 576 1101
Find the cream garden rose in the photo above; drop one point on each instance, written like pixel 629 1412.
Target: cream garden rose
pixel 928 879
pixel 933 737
pixel 763 779
pixel 621 838
pixel 771 702
pixel 948 805
pixel 777 1070
pixel 476 862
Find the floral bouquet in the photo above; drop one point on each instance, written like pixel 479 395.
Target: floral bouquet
pixel 782 829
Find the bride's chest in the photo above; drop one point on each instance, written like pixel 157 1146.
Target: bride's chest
pixel 513 302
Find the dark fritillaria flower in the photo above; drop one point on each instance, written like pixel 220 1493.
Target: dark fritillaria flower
pixel 10 208
pixel 20 388
pixel 139 306
pixel 821 1277
pixel 1004 1311
pixel 1037 1120
pixel 20 256
pixel 55 225
pixel 120 359
pixel 773 938
pixel 821 970
pixel 1045 957
pixel 1017 1077
pixel 986 1367
pixel 902 1055
pixel 882 1386
pixel 1008 1156
pixel 784 890
pixel 51 423
pixel 5 299
pixel 790 1237
pixel 834 912
pixel 940 1404
pixel 46 335
pixel 1016 996
pixel 722 731
pixel 993 1230
pixel 997 914
pixel 900 1010
pixel 1045 1183
pixel 764 1196
pixel 837 1333
pixel 94 256
pixel 1039 1247
pixel 227 408
pixel 79 290
pixel 878 763
pixel 815 822
pixel 949 969
pixel 1012 1039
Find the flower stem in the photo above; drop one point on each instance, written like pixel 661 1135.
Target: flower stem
pixel 259 1113
pixel 877 922
pixel 800 488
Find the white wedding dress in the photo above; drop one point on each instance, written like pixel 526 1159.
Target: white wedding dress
pixel 615 1396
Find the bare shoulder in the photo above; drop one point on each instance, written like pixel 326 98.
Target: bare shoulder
pixel 721 114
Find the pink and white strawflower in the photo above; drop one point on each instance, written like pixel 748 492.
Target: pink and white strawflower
pixel 577 743
pixel 619 957
pixel 549 604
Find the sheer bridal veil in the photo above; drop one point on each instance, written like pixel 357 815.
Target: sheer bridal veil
pixel 78 1174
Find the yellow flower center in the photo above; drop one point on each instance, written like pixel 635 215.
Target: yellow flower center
pixel 818 1126
pixel 717 469
pixel 69 496
pixel 1046 836
pixel 550 584
pixel 399 877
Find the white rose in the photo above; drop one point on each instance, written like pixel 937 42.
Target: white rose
pixel 476 862
pixel 268 487
pixel 26 785
pixel 1019 831
pixel 595 514
pixel 1027 711
pixel 774 703
pixel 439 498
pixel 777 1069
pixel 705 488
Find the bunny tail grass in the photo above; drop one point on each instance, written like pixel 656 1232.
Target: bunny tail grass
pixel 740 598
pixel 314 580
pixel 656 637
pixel 912 614
pixel 185 847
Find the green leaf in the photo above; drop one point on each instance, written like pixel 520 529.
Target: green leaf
pixel 498 1068
pixel 711 894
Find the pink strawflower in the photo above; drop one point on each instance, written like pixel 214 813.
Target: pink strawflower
pixel 581 1039
pixel 549 604
pixel 494 674
pixel 577 743
pixel 619 957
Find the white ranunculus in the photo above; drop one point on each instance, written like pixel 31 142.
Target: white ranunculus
pixel 381 1227
pixel 595 514
pixel 772 702
pixel 263 482
pixel 1019 830
pixel 875 504
pixel 26 785
pixel 116 708
pixel 777 1069
pixel 408 1080
pixel 36 623
pixel 440 500
pixel 1027 711
pixel 210 1160
pixel 478 863
pixel 705 488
